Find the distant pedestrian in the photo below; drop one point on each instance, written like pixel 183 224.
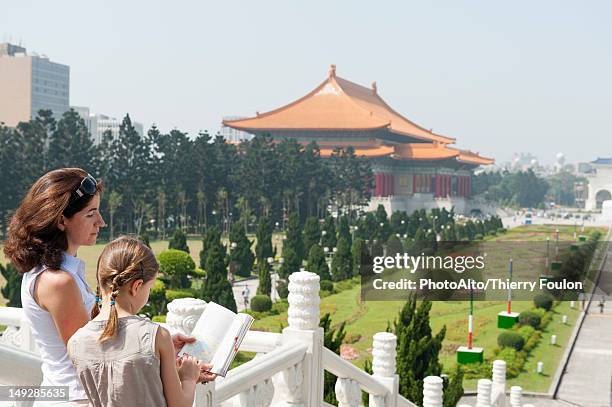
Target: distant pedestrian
pixel 602 304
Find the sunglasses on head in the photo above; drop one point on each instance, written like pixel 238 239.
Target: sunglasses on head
pixel 88 186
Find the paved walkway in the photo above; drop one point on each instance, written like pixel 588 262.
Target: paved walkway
pixel 587 380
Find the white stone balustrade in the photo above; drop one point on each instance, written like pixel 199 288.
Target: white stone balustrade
pixel 498 388
pixel 483 399
pixel 516 396
pixel 432 391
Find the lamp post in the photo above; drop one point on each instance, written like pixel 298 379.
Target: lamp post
pixel 230 274
pixel 273 279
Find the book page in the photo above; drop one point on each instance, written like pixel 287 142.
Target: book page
pixel 210 332
pixel 228 349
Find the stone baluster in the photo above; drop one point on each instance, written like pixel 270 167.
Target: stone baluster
pixel 483 398
pixel 383 366
pixel 432 391
pixel 348 392
pixel 289 384
pixel 516 396
pixel 205 395
pixel 183 313
pixel 498 389
pixel 259 395
pixel 303 318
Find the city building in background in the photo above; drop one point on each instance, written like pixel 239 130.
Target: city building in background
pixel 413 167
pixel 30 82
pixel 98 124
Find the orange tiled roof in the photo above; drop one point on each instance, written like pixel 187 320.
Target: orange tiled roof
pixel 379 151
pixel 470 157
pixel 412 151
pixel 422 151
pixel 337 104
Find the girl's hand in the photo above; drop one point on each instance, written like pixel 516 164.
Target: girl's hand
pixel 179 340
pixel 205 375
pixel 188 368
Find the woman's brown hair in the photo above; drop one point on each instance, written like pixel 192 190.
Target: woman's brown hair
pixel 33 236
pixel 123 261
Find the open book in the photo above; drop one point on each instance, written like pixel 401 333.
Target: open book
pixel 219 333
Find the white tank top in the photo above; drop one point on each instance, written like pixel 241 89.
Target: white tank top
pixel 57 368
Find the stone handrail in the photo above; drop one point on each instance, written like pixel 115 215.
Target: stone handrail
pixel 260 369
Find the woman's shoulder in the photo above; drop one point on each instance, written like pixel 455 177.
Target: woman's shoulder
pixel 56 280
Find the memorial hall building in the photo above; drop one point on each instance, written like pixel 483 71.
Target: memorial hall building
pixel 413 167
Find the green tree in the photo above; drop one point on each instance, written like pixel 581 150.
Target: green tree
pixel 312 233
pixel 70 145
pixel 357 251
pixel 328 238
pixel 344 229
pixel 317 263
pixel 342 263
pixel 417 348
pixel 382 224
pixel 241 256
pixel 12 289
pixel 263 234
pixel 265 282
pixel 216 287
pixel 176 266
pixel 179 241
pixel 212 239
pixel 293 247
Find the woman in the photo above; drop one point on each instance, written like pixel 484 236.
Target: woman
pixel 59 214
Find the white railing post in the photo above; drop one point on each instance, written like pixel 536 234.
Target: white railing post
pixel 498 388
pixel 183 313
pixel 516 396
pixel 432 391
pixel 303 383
pixel 483 398
pixel 384 352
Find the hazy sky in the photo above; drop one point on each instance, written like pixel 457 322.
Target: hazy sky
pixel 501 77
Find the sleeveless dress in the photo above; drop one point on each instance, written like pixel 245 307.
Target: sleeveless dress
pixel 122 371
pixel 56 367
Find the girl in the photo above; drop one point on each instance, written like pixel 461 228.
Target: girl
pixel 59 214
pixel 123 359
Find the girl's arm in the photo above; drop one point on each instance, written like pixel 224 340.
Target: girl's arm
pixel 178 391
pixel 58 293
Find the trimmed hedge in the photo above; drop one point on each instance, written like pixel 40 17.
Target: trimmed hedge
pixel 530 318
pixel 261 303
pixel 327 285
pixel 543 301
pixel 282 288
pixel 176 294
pixel 511 340
pixel 176 266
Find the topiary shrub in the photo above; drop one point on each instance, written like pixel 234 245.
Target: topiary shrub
pixel 261 303
pixel 172 295
pixel 544 301
pixel 282 288
pixel 510 340
pixel 176 266
pixel 529 318
pixel 178 241
pixel 478 237
pixel 327 285
pixel 280 306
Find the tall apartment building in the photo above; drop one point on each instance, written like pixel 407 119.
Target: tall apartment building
pixel 30 82
pixel 98 124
